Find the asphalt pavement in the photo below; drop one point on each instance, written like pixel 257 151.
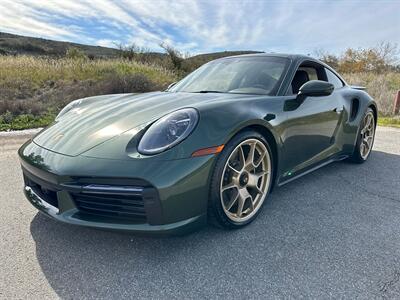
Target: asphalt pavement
pixel 334 233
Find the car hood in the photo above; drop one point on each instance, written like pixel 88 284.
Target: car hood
pixel 98 119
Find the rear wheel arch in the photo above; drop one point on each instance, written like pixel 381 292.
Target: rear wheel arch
pixel 375 111
pixel 357 156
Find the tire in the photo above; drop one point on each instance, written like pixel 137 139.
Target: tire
pixel 237 176
pixel 360 153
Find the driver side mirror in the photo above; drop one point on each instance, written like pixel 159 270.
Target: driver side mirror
pixel 315 88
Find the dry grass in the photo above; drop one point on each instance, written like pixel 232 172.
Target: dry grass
pixel 38 70
pixel 33 89
pixel 382 87
pixel 33 85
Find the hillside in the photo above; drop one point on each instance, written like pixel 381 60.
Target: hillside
pixel 12 44
pixel 18 45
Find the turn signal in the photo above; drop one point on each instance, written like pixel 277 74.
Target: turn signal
pixel 208 151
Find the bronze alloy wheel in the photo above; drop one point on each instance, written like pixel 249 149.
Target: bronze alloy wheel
pixel 245 180
pixel 367 135
pixel 365 138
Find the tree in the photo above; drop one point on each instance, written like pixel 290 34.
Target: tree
pixel 327 58
pixel 134 52
pixel 378 59
pixel 174 55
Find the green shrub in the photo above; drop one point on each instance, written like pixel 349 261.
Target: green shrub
pixel 7 117
pixel 75 53
pixel 25 121
pixel 389 121
pixel 130 83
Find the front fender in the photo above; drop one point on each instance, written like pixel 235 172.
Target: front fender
pixel 218 123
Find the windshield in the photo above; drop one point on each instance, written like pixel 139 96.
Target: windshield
pixel 244 75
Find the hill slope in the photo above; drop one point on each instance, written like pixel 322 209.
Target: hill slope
pixel 18 44
pixel 13 44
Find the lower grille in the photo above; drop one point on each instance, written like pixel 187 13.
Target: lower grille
pixel 48 195
pixel 112 201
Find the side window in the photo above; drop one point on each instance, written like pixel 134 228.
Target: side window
pixel 332 78
pixel 302 75
pixel 312 72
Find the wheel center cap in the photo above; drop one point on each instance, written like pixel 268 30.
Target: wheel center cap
pixel 244 179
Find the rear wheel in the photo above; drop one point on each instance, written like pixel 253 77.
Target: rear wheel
pixel 241 181
pixel 365 139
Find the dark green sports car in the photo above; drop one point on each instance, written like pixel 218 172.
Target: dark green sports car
pixel 211 147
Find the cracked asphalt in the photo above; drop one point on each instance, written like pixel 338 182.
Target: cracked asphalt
pixel 334 233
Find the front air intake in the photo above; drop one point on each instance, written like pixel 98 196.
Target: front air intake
pixel 122 202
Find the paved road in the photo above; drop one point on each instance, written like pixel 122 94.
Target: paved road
pixel 333 233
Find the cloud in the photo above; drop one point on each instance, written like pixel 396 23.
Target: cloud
pixel 17 17
pixel 106 43
pixel 200 26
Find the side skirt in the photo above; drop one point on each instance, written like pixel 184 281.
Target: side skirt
pixel 324 163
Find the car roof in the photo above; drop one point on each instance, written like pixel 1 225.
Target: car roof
pixel 284 55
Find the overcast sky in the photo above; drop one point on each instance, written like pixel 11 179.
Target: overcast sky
pixel 205 26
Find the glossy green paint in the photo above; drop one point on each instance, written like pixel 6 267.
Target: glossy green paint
pixel 99 139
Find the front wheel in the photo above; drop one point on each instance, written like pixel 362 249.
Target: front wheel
pixel 241 180
pixel 365 138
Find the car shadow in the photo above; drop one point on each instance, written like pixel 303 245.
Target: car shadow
pixel 85 263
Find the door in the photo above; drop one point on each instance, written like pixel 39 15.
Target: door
pixel 312 127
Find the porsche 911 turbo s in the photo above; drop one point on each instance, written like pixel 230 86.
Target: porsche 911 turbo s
pixel 209 148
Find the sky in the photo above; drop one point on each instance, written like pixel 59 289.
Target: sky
pixel 208 26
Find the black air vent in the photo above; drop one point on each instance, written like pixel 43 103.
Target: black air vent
pixel 355 104
pixel 112 201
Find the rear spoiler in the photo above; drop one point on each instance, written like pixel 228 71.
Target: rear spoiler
pixel 356 87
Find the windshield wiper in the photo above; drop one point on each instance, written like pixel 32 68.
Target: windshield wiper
pixel 206 91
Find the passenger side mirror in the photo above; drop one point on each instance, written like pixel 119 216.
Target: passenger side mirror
pixel 171 85
pixel 315 88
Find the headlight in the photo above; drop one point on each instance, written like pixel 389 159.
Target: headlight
pixel 168 131
pixel 68 107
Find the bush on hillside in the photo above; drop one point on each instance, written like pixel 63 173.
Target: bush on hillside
pixel 75 53
pixel 174 55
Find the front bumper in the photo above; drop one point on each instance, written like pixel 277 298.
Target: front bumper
pixel 142 195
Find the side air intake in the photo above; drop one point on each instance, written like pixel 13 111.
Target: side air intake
pixel 355 104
